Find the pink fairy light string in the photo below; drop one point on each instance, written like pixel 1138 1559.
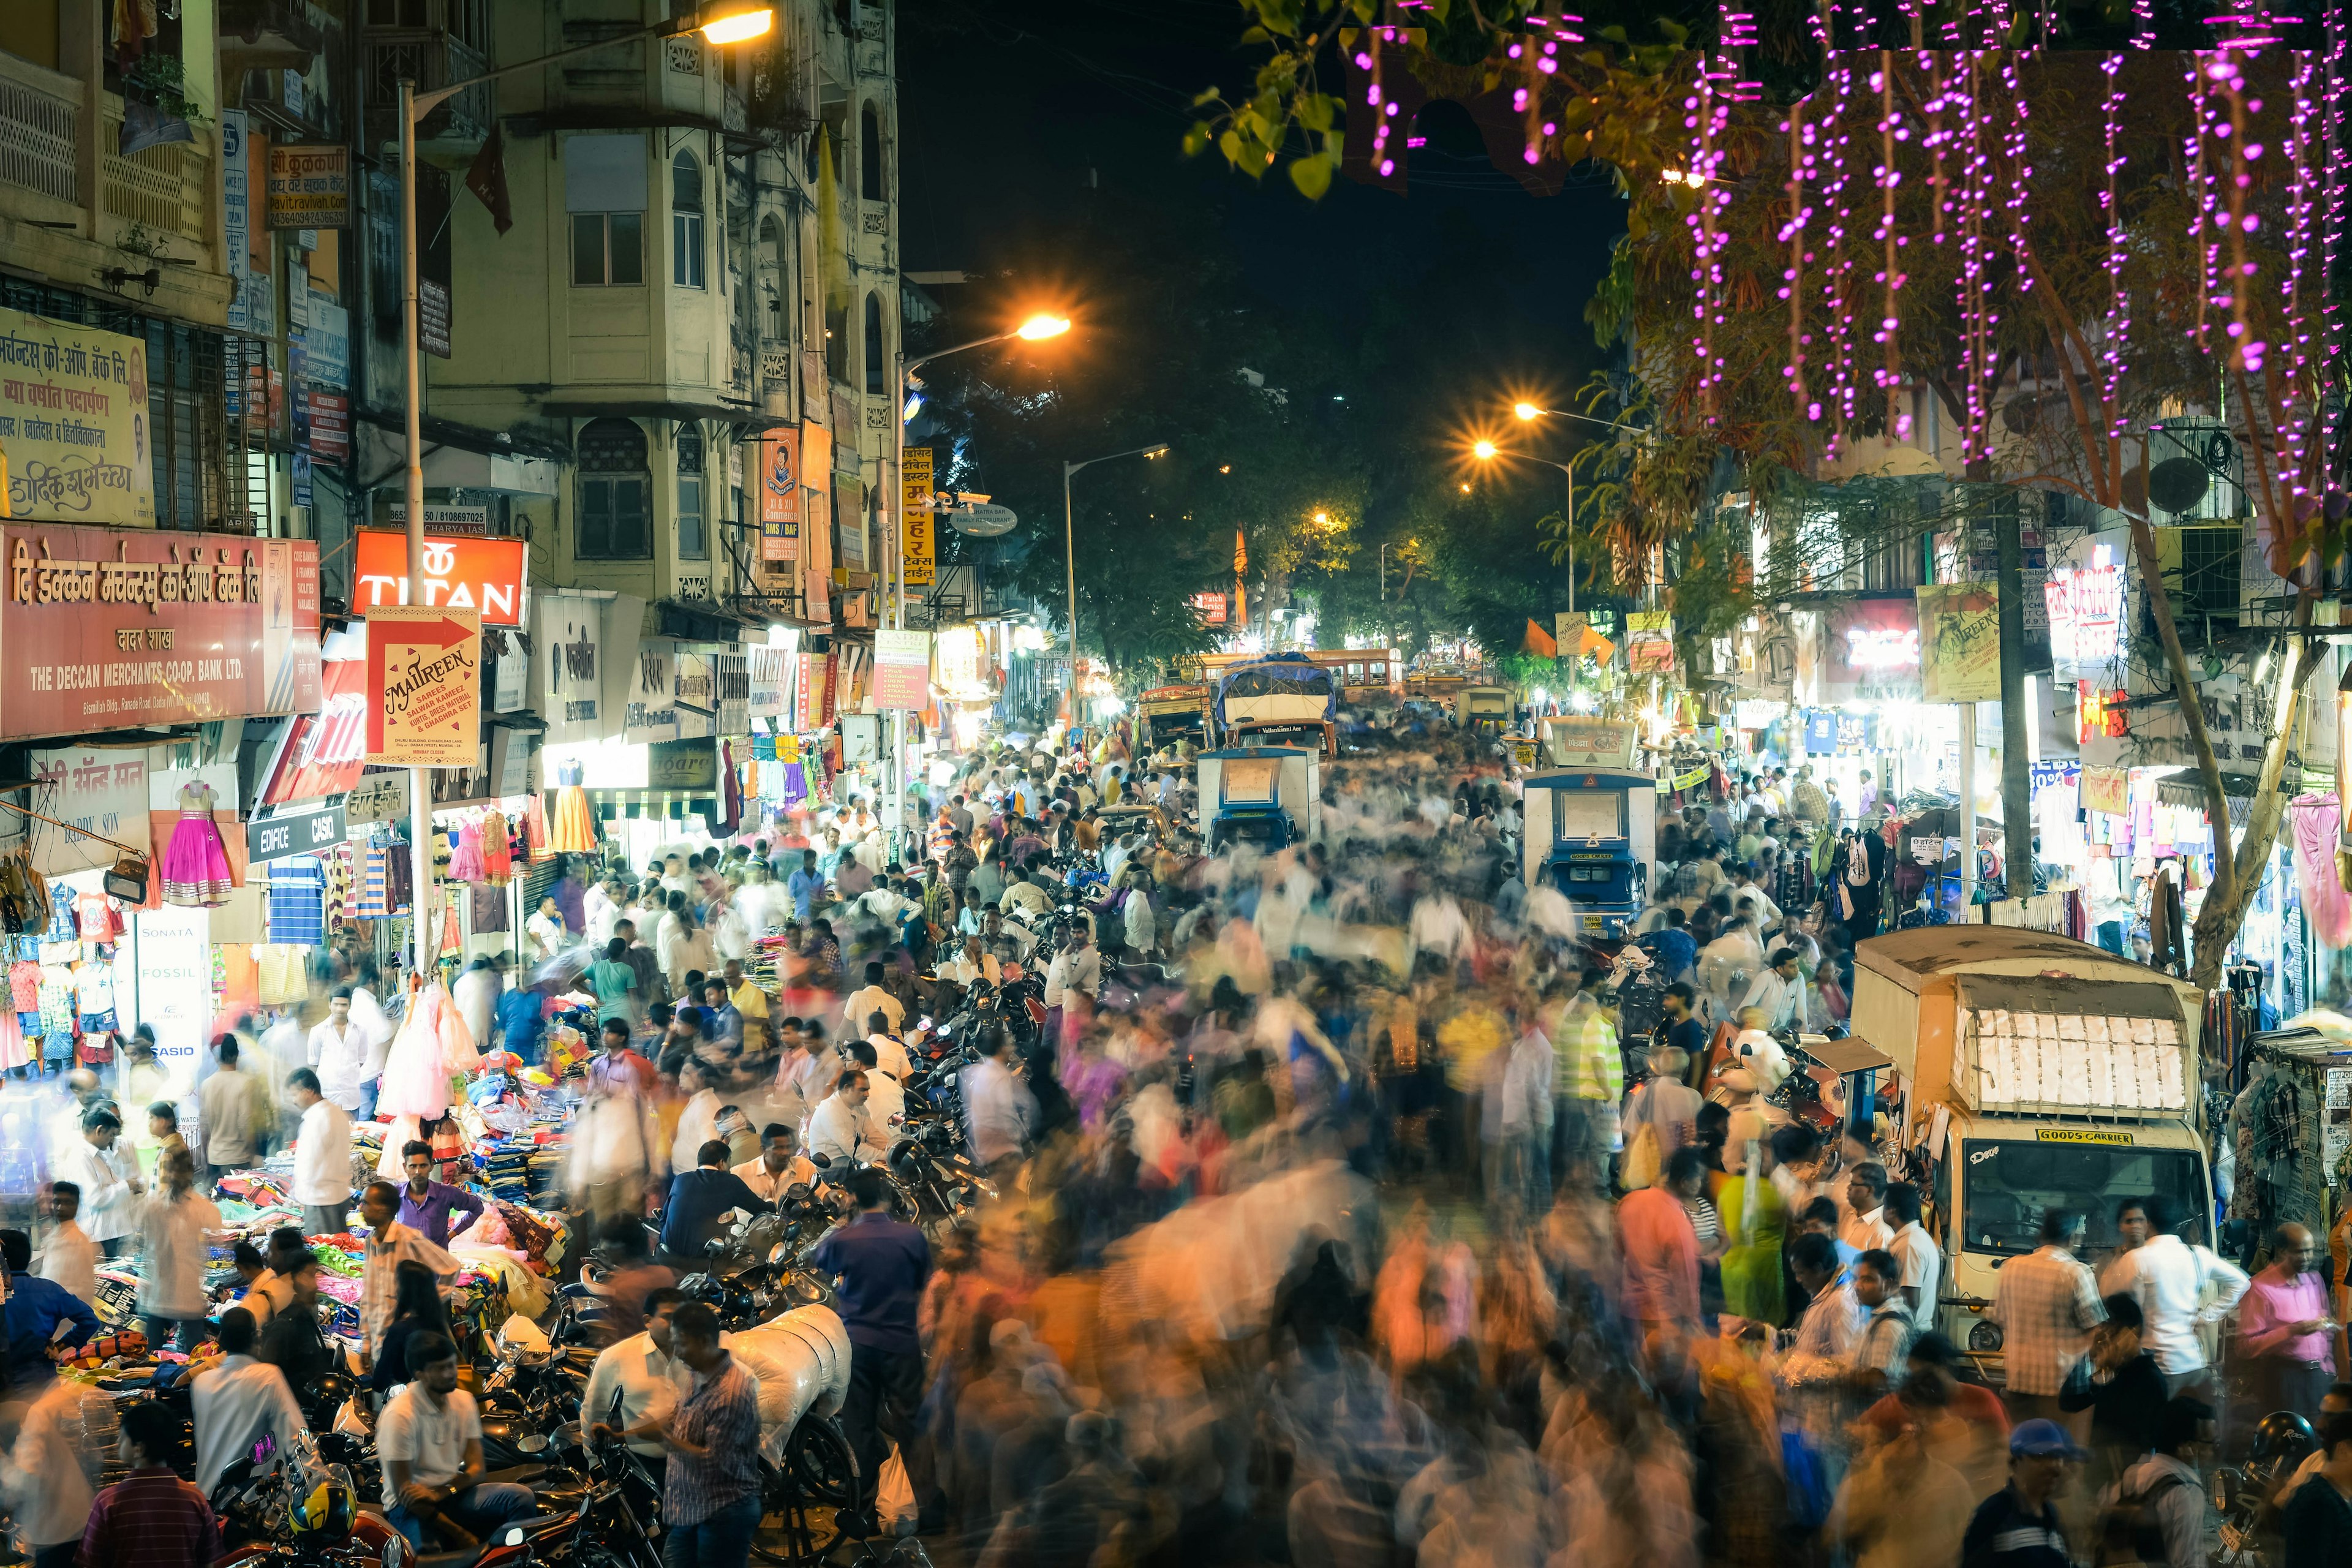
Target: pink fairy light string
pixel 1838 263
pixel 1793 279
pixel 2336 87
pixel 2118 327
pixel 1890 275
pixel 2301 212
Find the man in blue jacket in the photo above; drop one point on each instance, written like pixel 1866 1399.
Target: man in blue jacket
pixel 37 1308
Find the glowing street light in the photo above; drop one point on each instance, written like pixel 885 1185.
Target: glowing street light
pixel 1487 452
pixel 1484 451
pixel 1527 412
pixel 1038 328
pixel 739 27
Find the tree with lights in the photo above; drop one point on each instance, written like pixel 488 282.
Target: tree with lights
pixel 2058 247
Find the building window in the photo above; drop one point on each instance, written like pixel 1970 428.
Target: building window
pixel 686 222
pixel 878 376
pixel 693 534
pixel 616 489
pixel 608 248
pixel 869 155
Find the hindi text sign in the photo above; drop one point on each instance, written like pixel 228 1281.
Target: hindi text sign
pixel 424 687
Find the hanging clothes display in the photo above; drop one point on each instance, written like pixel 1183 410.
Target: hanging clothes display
pixel 575 825
pixel 432 1047
pixel 730 791
pixel 196 865
pixel 2326 905
pixel 488 913
pixel 498 849
pixel 534 829
pixel 466 862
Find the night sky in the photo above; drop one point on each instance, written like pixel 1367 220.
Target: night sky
pixel 1008 108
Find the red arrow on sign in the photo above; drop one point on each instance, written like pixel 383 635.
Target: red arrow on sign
pixel 424 634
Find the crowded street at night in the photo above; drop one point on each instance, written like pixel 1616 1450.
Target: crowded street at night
pixel 1289 784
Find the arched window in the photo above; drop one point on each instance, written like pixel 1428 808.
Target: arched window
pixel 693 528
pixel 869 155
pixel 685 221
pixel 877 372
pixel 616 493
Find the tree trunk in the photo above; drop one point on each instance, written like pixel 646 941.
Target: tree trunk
pixel 2218 918
pixel 2193 715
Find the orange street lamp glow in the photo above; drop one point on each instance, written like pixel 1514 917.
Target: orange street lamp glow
pixel 1484 451
pixel 1040 327
pixel 1525 411
pixel 740 28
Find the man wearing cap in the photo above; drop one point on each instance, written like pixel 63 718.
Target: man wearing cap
pixel 2018 1526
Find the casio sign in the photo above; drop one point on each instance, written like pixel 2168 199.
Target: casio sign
pixel 282 837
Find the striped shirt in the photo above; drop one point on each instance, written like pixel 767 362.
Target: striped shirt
pixel 153 1518
pixel 721 1417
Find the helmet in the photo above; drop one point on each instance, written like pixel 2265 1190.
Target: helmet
pixel 327 1512
pixel 2283 1439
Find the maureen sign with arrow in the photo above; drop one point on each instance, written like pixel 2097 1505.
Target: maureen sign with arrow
pixel 425 686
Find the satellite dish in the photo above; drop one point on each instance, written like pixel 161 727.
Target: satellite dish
pixel 2177 484
pixel 983 521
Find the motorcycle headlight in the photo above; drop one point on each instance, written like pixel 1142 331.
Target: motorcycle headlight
pixel 1984 1337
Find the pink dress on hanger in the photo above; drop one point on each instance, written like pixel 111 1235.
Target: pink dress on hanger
pixel 195 864
pixel 466 856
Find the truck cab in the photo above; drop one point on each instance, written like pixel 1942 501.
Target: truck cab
pixel 2037 1072
pixel 1592 833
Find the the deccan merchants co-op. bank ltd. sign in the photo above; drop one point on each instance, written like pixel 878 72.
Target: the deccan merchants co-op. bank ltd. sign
pixel 107 628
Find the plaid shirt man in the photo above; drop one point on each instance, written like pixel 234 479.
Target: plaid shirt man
pixel 1588 1064
pixel 379 1278
pixel 150 1516
pixel 721 1415
pixel 1884 1341
pixel 2047 1304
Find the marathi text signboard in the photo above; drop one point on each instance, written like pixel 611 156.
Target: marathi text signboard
pixel 73 423
pixel 485 576
pixel 902 670
pixel 102 791
pixel 310 186
pixel 424 687
pixel 2107 790
pixel 118 628
pixel 917 546
pixel 1959 643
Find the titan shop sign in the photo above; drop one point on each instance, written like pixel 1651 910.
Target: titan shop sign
pixel 460 574
pixel 104 628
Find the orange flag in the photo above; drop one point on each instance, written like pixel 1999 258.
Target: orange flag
pixel 1540 642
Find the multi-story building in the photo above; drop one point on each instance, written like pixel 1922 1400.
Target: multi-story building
pixel 701 271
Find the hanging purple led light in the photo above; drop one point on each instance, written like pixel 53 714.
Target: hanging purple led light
pixel 2118 327
pixel 1792 280
pixel 1890 275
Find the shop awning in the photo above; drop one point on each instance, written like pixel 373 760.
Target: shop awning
pixel 327 750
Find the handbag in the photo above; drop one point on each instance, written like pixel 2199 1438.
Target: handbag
pixel 1644 1159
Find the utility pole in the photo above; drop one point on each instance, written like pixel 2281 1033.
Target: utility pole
pixel 2016 766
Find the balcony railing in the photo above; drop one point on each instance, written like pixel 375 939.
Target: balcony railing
pixel 165 189
pixel 39 113
pixel 430 59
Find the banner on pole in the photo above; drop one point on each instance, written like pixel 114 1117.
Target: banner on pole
pixel 424 687
pixel 902 670
pixel 917 546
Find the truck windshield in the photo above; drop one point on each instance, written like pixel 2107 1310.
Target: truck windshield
pixel 2009 1184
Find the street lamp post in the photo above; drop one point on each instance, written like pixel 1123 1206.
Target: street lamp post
pixel 1487 452
pixel 727 24
pixel 1070 553
pixel 1036 329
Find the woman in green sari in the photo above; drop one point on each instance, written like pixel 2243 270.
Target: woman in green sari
pixel 1755 1229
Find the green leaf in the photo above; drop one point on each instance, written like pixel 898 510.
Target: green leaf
pixel 1230 144
pixel 1196 141
pixel 1312 175
pixel 1256 35
pixel 1315 110
pixel 1207 95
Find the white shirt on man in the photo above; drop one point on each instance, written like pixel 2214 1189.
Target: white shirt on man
pixel 339 1057
pixel 430 1437
pixel 69 1258
pixel 322 1156
pixel 2167 1277
pixel 837 1129
pixel 236 1403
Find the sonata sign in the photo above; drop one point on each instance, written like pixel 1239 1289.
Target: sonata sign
pixel 460 574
